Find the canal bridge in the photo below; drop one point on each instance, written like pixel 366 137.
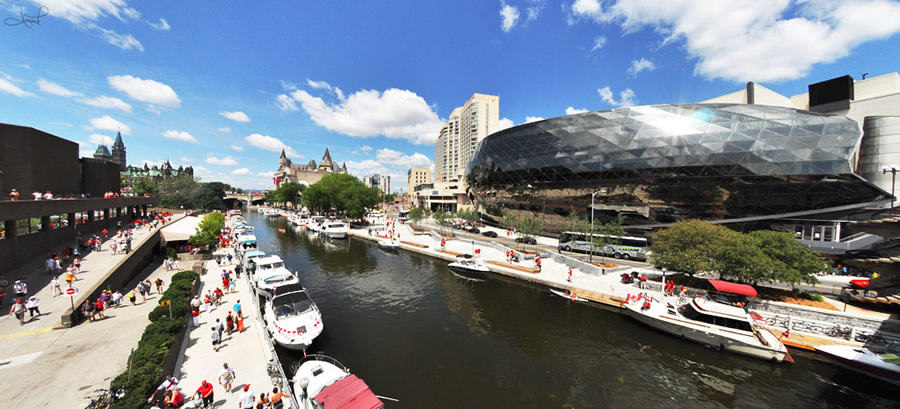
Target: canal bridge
pixel 233 200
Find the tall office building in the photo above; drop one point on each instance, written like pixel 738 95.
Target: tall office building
pixel 459 137
pixel 416 177
pixel 380 182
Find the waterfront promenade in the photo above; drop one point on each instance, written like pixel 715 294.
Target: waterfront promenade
pixel 45 365
pixel 247 352
pixel 606 289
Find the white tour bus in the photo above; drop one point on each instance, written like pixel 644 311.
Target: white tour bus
pixel 624 247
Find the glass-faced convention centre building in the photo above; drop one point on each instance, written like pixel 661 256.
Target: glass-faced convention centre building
pixel 750 166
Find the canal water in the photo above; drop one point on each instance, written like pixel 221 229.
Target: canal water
pixel 417 332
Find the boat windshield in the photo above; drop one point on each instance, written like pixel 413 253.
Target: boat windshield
pixel 293 304
pixel 688 311
pixel 273 265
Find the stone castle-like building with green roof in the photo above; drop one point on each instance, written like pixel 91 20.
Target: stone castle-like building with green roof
pixel 132 173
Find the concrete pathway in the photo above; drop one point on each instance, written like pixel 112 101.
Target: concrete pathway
pixel 247 352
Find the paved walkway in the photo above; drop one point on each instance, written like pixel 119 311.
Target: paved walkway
pixel 247 352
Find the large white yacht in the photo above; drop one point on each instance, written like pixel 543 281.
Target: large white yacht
pixel 292 317
pixel 336 230
pixel 713 320
pixel 466 265
pixel 270 273
pixel 884 366
pixel 322 382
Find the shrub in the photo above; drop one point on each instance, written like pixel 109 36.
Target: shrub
pixel 155 344
pixel 171 253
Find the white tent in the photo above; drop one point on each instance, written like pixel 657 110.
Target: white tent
pixel 180 230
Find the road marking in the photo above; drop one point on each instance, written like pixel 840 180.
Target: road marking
pixel 26 333
pixel 20 360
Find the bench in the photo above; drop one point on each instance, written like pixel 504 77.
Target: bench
pixel 514 267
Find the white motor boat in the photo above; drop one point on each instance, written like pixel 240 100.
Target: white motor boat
pixel 271 273
pixel 466 265
pixel 292 317
pixel 712 320
pixel 322 382
pixel 388 244
pixel 245 242
pixel 865 361
pixel 250 257
pixel 336 230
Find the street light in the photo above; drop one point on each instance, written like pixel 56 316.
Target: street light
pixel 591 256
pixel 893 170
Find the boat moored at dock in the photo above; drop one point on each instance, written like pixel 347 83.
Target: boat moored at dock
pixel 292 317
pixel 270 273
pixel 322 382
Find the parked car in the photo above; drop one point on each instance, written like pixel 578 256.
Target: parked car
pixel 526 240
pixel 489 234
pixel 474 230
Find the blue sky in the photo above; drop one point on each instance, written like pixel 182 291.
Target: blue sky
pixel 226 88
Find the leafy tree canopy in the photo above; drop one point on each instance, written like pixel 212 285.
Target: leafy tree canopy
pixel 208 230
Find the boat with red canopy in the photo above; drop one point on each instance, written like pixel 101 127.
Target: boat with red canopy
pixel 321 382
pixel 716 320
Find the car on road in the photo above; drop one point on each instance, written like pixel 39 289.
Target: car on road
pixel 489 234
pixel 526 240
pixel 474 230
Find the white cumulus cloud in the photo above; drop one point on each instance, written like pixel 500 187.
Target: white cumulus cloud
pixel 285 103
pixel 241 171
pixel 179 136
pixel 108 123
pixel 98 139
pixel 529 119
pixel 51 87
pixel 270 143
pixel 236 116
pixel 104 101
pixel 237 148
pixel 573 111
pixel 396 114
pixel 509 16
pixel 640 65
pixel 626 97
pixel 506 123
pixel 599 42
pixel 400 160
pixel 767 40
pixel 226 161
pixel 149 91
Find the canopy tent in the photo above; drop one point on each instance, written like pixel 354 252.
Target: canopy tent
pixel 181 230
pixel 733 288
pixel 348 393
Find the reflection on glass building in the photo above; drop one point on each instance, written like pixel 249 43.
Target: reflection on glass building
pixel 656 165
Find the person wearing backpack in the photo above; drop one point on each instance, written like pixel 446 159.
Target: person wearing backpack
pixel 19 310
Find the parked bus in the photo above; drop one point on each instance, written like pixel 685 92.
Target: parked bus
pixel 624 247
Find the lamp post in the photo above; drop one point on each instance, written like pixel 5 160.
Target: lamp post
pixel 893 171
pixel 591 256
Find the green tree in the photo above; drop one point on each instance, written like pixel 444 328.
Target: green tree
pixel 208 196
pixel 144 186
pixel 418 214
pixel 468 215
pixel 208 230
pixel 792 261
pixel 510 221
pixel 442 218
pixel 689 247
pixel 355 199
pixel 530 226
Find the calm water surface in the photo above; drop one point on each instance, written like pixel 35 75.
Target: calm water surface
pixel 417 332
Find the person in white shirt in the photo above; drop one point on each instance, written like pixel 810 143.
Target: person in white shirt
pixel 247 399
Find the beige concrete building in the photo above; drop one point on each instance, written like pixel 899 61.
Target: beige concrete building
pixel 459 137
pixel 416 177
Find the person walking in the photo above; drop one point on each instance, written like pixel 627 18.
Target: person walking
pixel 237 310
pixel 537 262
pixel 20 289
pixel 205 391
pixel 33 305
pixel 99 306
pixel 570 275
pixel 275 399
pixel 229 323
pixel 132 297
pixel 54 286
pixel 247 399
pixel 226 377
pixel 216 338
pixel 87 309
pixel 159 285
pixel 19 310
pixel 263 402
pixel 220 328
pixel 117 298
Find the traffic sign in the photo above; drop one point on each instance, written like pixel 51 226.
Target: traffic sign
pixel 165 302
pixel 71 291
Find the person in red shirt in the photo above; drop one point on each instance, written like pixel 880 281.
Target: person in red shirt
pixel 99 306
pixel 174 399
pixel 206 393
pixel 105 233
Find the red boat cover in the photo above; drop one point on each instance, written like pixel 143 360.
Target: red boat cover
pixel 860 283
pixel 348 393
pixel 734 288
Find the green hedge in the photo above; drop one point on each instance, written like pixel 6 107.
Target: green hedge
pixel 153 348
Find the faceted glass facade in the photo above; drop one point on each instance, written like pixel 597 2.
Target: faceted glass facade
pixel 665 163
